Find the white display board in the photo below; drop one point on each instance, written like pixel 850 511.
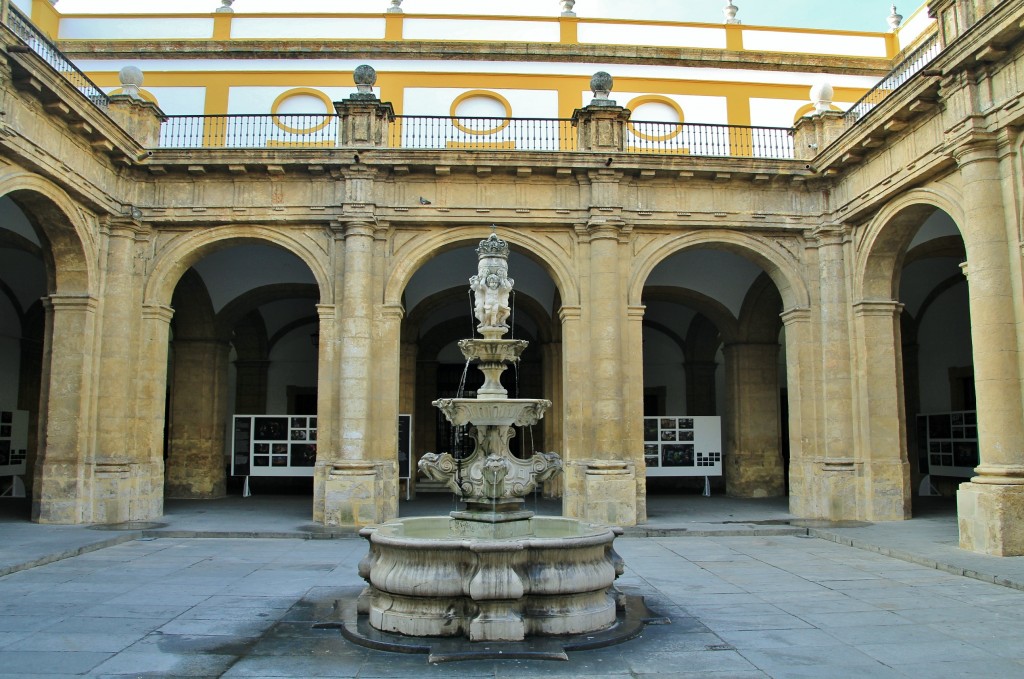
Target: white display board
pixel 274 445
pixel 683 445
pixel 950 442
pixel 13 442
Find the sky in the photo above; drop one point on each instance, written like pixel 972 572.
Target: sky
pixel 854 15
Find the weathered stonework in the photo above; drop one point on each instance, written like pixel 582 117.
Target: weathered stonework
pixel 123 221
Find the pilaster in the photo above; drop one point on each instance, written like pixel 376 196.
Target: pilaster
pixel 801 387
pixel 128 484
pixel 753 464
pixel 60 486
pixel 885 488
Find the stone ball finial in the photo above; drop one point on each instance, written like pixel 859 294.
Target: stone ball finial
pixel 365 77
pixel 895 19
pixel 567 6
pixel 601 85
pixel 730 13
pixel 396 7
pixel 131 80
pixel 225 6
pixel 821 96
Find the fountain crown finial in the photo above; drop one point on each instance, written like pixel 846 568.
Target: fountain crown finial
pixel 492 246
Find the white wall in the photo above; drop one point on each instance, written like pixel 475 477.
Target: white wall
pixel 122 28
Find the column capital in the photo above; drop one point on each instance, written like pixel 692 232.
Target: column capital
pixel 885 308
pixel 796 315
pixel 71 302
pixel 598 228
pixel 157 312
pixel 393 312
pixel 830 234
pixel 635 312
pixel 326 312
pixel 570 313
pixel 354 227
pixel 975 147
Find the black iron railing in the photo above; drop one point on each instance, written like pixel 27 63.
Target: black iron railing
pixel 299 130
pixel 476 134
pixel 520 134
pixel 709 140
pixel 903 72
pixel 38 43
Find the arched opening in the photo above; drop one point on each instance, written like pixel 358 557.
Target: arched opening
pixel 23 285
pixel 714 376
pixel 439 313
pixel 242 373
pixel 926 252
pixel 45 314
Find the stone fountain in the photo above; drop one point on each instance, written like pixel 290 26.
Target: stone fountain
pixel 492 571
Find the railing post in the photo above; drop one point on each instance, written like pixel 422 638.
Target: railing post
pixel 363 119
pixel 812 134
pixel 601 126
pixel 5 11
pixel 139 118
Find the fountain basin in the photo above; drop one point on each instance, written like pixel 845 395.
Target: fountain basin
pixel 498 412
pixel 441 576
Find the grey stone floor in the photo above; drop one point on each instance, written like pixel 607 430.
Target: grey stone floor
pixel 746 606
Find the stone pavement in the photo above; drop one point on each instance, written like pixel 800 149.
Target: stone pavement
pixel 743 603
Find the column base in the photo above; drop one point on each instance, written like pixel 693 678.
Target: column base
pixel 356 493
pixel 603 492
pixel 991 518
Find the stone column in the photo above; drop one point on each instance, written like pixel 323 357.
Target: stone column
pixel 60 490
pixel 327 396
pixel 605 473
pixel 196 467
pixel 386 383
pixel 351 492
pixel 151 392
pixel 753 465
pixel 127 484
pixel 991 505
pixel 552 356
pixel 836 468
pixel 632 361
pixel 575 447
pixel 801 387
pixel 886 472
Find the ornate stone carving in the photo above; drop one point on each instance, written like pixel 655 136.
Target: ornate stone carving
pixel 491 287
pixel 491 474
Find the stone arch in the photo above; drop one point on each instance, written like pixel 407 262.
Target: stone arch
pixel 407 263
pixel 884 242
pixel 781 265
pixel 60 222
pixel 172 262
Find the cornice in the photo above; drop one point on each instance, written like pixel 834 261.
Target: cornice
pixel 429 50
